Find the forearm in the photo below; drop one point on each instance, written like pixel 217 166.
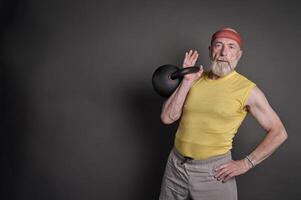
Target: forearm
pixel 274 138
pixel 172 107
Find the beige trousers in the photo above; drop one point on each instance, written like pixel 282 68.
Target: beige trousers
pixel 194 179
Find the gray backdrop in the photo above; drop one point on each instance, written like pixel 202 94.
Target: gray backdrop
pixel 79 117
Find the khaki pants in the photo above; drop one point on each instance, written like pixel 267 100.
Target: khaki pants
pixel 194 179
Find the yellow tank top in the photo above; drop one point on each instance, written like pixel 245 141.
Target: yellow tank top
pixel 212 113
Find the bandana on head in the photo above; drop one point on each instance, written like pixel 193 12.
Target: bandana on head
pixel 226 33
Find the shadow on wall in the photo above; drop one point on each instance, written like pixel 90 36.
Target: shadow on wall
pixel 12 120
pixel 155 138
pixel 8 92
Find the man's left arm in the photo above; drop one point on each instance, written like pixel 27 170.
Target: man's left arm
pixel 261 110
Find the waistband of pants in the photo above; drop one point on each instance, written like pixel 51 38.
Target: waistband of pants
pixel 206 161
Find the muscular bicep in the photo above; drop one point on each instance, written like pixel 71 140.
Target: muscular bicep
pixel 259 107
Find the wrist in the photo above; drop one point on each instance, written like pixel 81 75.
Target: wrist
pixel 190 81
pixel 187 83
pixel 250 162
pixel 247 164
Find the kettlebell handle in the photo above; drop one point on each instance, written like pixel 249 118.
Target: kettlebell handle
pixel 167 78
pixel 183 71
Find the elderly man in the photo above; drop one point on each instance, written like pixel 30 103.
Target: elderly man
pixel 211 106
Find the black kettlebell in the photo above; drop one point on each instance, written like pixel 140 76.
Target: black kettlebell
pixel 167 78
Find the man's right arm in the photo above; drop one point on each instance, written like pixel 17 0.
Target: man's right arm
pixel 172 107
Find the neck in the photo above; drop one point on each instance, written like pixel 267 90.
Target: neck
pixel 213 76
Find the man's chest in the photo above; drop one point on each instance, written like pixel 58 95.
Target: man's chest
pixel 217 102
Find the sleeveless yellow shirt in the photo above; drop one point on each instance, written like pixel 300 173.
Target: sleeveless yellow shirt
pixel 212 113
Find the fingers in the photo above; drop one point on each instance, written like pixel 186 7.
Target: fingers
pixel 190 58
pixel 190 53
pixel 194 57
pixel 187 61
pixel 222 173
pixel 232 174
pixel 221 167
pixel 228 170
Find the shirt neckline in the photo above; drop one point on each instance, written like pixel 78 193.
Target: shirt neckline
pixel 221 78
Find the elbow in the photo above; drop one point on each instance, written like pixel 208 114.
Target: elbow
pixel 283 134
pixel 279 132
pixel 167 120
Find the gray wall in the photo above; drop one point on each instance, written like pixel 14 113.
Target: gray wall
pixel 79 117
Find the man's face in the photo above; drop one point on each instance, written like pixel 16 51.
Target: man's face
pixel 224 55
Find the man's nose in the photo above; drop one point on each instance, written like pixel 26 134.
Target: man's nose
pixel 224 51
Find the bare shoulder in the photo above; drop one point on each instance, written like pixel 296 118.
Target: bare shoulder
pixel 256 98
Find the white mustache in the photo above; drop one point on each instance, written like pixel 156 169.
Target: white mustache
pixel 217 58
pixel 222 60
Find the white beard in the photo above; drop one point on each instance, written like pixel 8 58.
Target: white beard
pixel 222 68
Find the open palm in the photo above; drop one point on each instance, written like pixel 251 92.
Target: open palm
pixel 189 61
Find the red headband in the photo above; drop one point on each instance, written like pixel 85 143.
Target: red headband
pixel 226 33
